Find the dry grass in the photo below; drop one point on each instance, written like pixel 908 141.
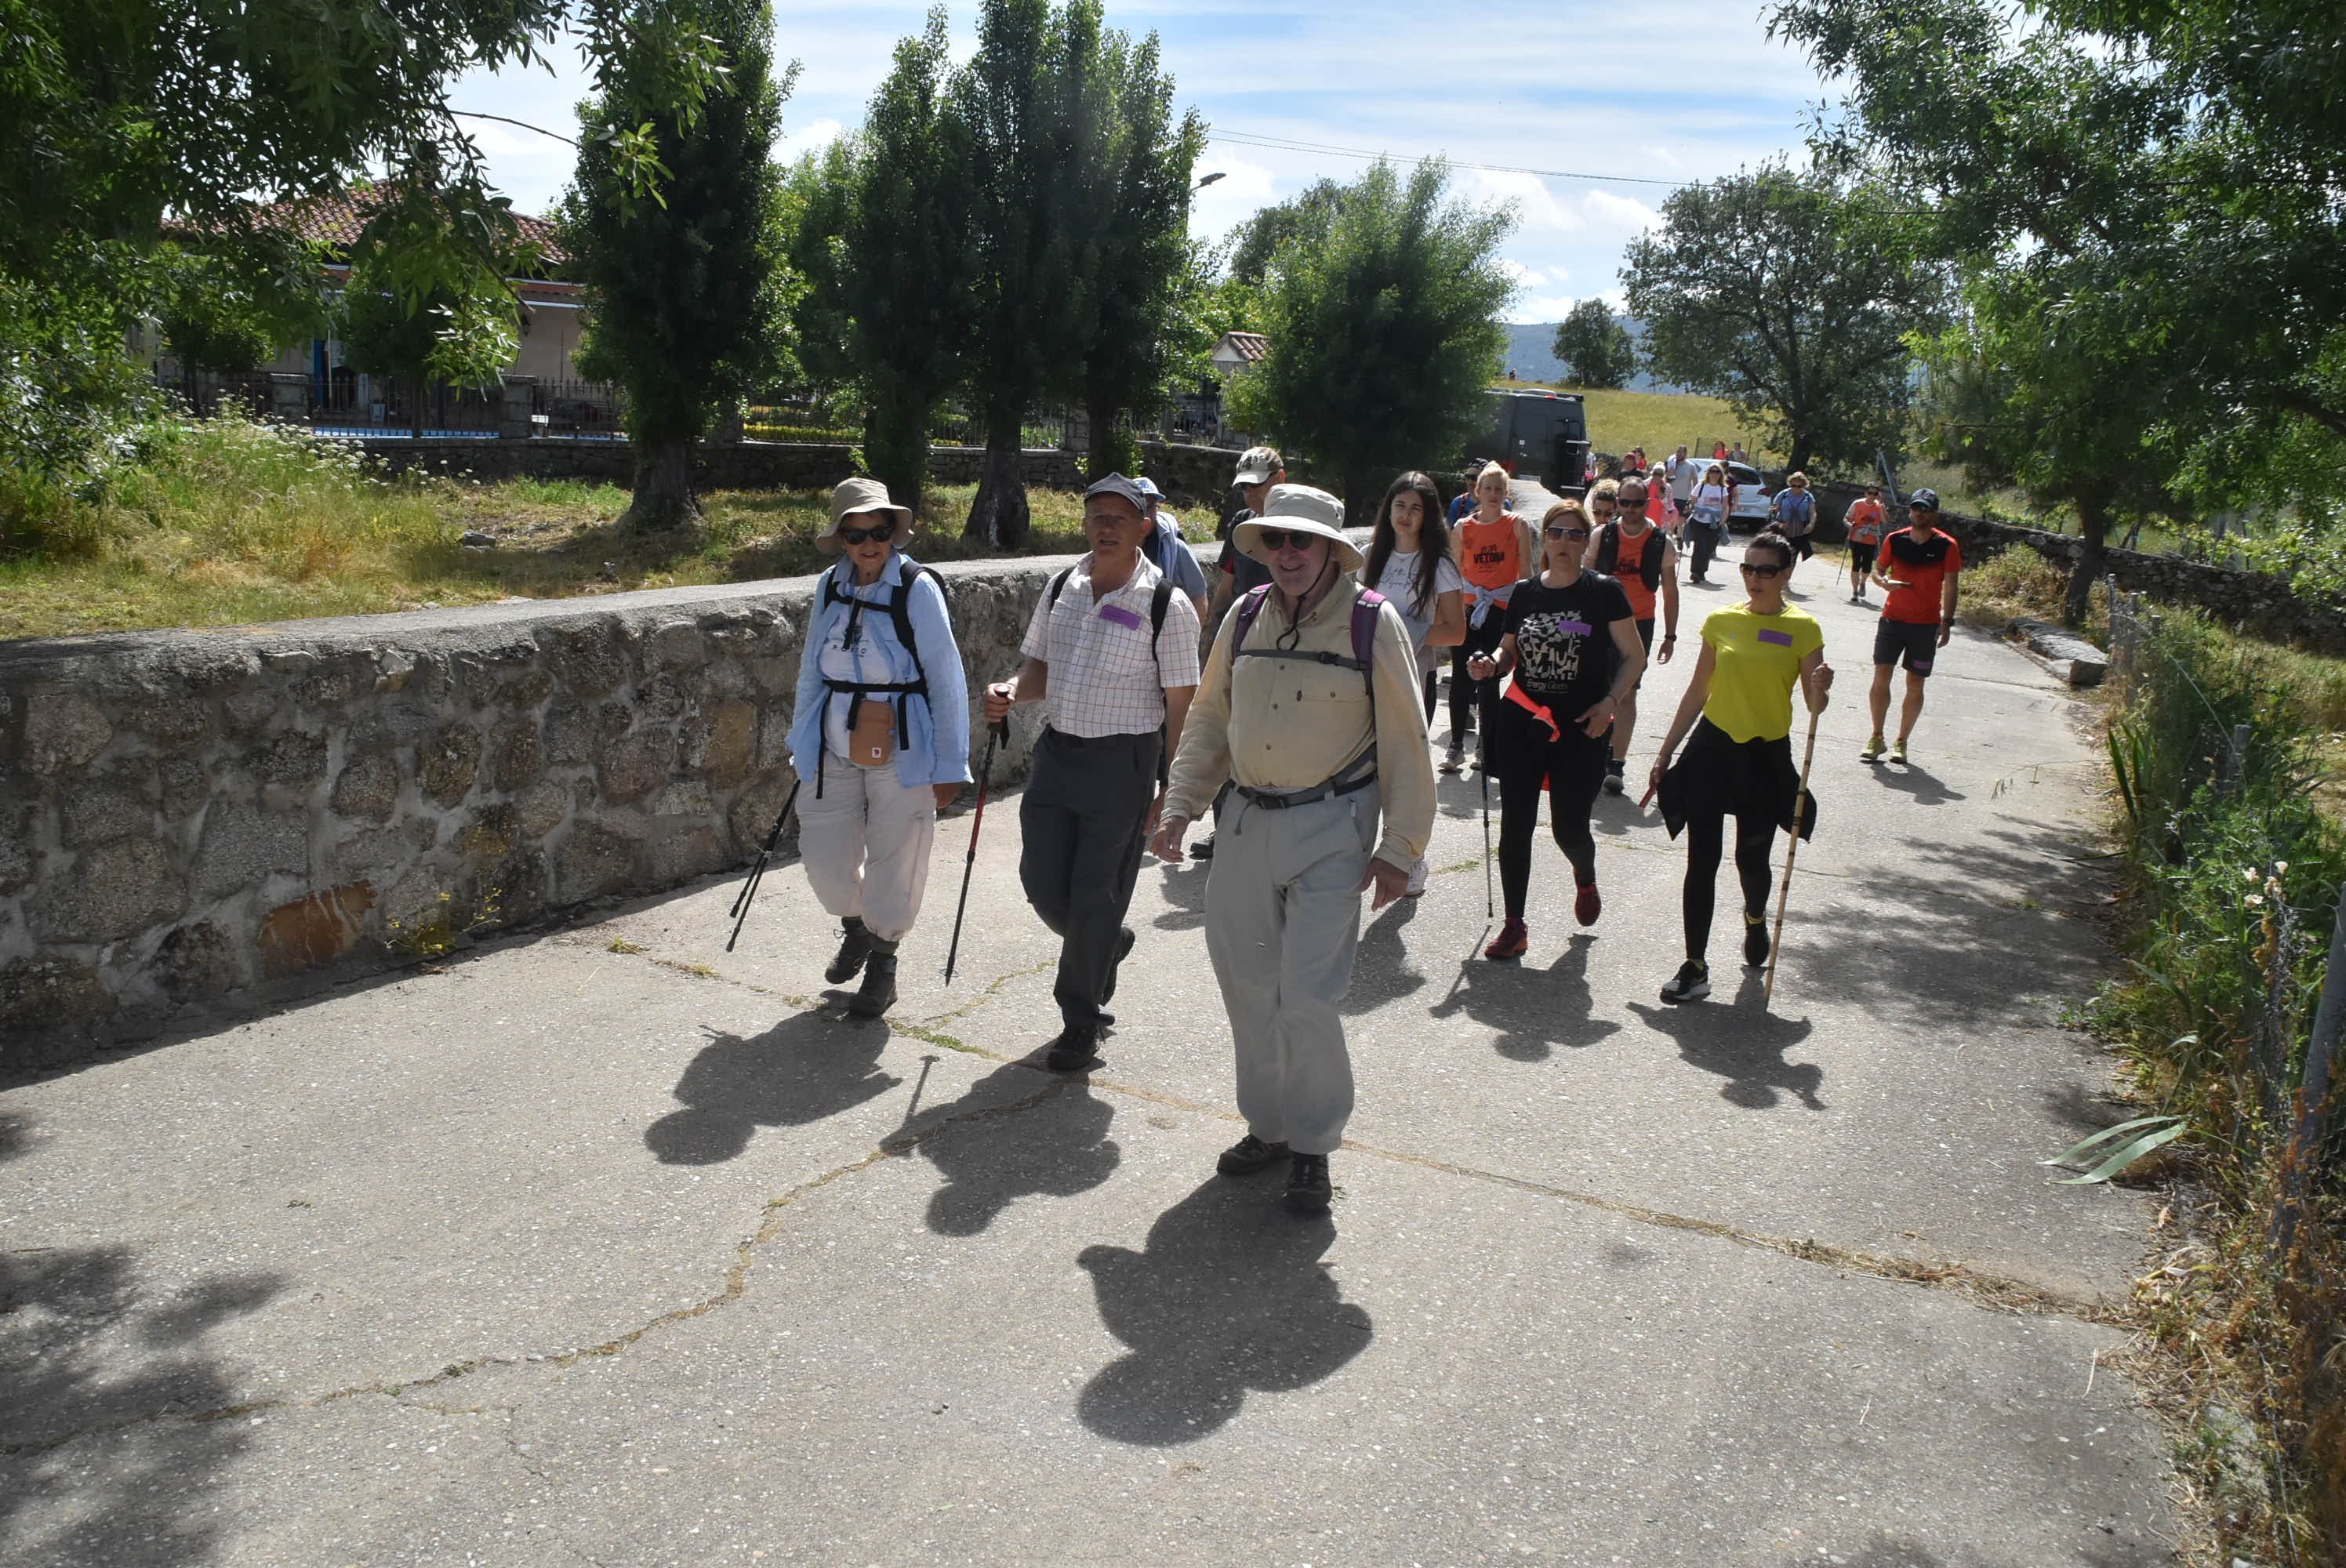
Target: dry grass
pixel 1658 421
pixel 230 522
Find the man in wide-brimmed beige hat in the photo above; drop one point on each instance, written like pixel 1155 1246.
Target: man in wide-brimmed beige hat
pixel 1310 706
pixel 880 733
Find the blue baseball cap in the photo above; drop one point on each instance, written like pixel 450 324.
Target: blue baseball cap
pixel 1148 487
pixel 1926 499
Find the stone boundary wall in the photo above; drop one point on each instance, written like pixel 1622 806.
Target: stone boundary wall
pixel 717 466
pixel 186 817
pixel 2267 605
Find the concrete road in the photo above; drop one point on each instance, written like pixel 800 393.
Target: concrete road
pixel 603 1246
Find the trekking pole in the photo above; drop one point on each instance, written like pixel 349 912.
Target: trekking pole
pixel 740 910
pixel 1784 894
pixel 1483 774
pixel 995 733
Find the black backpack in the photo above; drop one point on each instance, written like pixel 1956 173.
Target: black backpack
pixel 1159 603
pixel 900 611
pixel 1649 565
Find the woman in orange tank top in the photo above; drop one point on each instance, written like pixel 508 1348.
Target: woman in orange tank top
pixel 1495 549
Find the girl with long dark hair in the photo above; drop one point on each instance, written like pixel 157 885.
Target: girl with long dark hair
pixel 1409 563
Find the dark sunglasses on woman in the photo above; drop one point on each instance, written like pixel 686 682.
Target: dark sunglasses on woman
pixel 877 533
pixel 1563 532
pixel 1758 571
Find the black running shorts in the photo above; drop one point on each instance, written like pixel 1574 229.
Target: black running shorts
pixel 1916 645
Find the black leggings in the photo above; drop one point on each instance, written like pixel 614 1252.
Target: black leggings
pixel 1522 755
pixel 1755 843
pixel 1468 695
pixel 1427 682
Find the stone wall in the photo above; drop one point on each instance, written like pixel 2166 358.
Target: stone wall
pixel 188 816
pixel 735 466
pixel 2251 600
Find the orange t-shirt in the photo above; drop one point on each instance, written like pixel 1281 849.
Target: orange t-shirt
pixel 1491 555
pixel 1864 520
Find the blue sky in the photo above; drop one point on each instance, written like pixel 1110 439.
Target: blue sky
pixel 1673 89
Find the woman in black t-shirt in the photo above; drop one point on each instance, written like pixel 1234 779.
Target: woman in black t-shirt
pixel 1571 644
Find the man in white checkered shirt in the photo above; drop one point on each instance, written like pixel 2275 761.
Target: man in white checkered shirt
pixel 1112 655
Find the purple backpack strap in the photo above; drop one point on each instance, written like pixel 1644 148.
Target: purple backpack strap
pixel 1249 608
pixel 1364 631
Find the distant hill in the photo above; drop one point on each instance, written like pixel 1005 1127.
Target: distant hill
pixel 1531 353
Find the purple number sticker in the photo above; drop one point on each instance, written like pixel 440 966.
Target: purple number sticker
pixel 1781 639
pixel 1120 616
pixel 1573 628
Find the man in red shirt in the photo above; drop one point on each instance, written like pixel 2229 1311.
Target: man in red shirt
pixel 1917 571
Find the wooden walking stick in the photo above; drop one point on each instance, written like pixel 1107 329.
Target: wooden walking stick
pixel 1784 894
pixel 994 733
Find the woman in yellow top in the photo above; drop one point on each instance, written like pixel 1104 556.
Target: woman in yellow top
pixel 1738 756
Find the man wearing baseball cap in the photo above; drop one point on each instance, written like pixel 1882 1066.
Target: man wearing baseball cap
pixel 1917 570
pixel 1167 551
pixel 1112 655
pixel 1309 707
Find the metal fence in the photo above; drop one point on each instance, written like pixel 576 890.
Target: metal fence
pixel 350 403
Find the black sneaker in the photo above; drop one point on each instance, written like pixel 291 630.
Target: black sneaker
pixel 1692 983
pixel 1249 1154
pixel 854 947
pixel 1614 782
pixel 878 991
pixel 1755 941
pixel 1124 939
pixel 1203 849
pixel 1308 1189
pixel 1076 1048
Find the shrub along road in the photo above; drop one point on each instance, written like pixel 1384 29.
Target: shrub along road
pixel 606 1246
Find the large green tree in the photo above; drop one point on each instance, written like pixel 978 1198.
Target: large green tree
pixel 684 293
pixel 1594 346
pixel 1256 243
pixel 1134 271
pixel 1771 290
pixel 1383 327
pixel 123 122
pixel 880 230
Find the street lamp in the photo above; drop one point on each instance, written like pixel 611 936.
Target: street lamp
pixel 1209 179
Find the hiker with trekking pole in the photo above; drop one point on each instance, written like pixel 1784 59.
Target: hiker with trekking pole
pixel 1736 719
pixel 1311 705
pixel 879 740
pixel 1112 655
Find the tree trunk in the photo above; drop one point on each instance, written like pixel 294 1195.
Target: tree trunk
pixel 415 407
pixel 998 514
pixel 2094 526
pixel 896 448
pixel 664 495
pixel 1102 459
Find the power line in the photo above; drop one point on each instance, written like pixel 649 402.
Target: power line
pixel 1284 144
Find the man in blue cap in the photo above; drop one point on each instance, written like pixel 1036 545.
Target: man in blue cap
pixel 1167 551
pixel 1112 655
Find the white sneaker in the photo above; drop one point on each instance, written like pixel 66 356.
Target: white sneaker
pixel 1417 874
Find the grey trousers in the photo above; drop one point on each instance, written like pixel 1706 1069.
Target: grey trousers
pixel 1081 818
pixel 1282 923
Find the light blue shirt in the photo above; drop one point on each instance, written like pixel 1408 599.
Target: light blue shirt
pixel 1173 557
pixel 933 747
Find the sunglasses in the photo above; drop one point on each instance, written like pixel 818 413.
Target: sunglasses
pixel 1761 571
pixel 1285 539
pixel 877 533
pixel 1562 533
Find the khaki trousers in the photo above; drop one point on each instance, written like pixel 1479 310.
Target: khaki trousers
pixel 1282 924
pixel 864 842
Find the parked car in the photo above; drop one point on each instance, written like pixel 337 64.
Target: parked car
pixel 1748 512
pixel 1540 435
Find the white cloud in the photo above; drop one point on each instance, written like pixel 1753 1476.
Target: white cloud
pixel 1622 212
pixel 1542 308
pixel 812 137
pixel 1244 188
pixel 1526 277
pixel 1664 156
pixel 1535 204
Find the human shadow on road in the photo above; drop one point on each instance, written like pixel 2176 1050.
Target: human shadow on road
pixel 84 1346
pixel 1923 786
pixel 1530 1010
pixel 1741 1044
pixel 1055 1147
pixel 1382 970
pixel 1228 1297
pixel 805 1068
pixel 1184 888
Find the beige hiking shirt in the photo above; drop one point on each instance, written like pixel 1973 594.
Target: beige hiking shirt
pixel 1286 724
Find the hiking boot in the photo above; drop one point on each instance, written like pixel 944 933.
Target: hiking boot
pixel 1077 1048
pixel 854 947
pixel 1898 752
pixel 1587 905
pixel 1124 941
pixel 1874 747
pixel 1308 1188
pixel 1454 759
pixel 878 991
pixel 1249 1154
pixel 1513 938
pixel 1203 849
pixel 1692 983
pixel 1615 782
pixel 1755 940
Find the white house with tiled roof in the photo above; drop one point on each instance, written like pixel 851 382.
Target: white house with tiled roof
pixel 1239 352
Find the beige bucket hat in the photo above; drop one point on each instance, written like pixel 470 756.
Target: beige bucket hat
pixel 1299 509
pixel 854 498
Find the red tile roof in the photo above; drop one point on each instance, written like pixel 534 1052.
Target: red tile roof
pixel 335 221
pixel 1249 346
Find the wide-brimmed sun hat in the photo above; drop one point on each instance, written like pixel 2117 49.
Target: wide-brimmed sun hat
pixel 1299 509
pixel 855 498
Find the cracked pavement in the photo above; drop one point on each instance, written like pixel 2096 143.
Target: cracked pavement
pixel 603 1245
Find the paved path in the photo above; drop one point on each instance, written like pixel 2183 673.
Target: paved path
pixel 605 1246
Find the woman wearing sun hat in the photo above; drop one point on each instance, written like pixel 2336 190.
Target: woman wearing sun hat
pixel 881 737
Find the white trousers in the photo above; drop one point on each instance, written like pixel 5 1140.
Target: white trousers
pixel 1282 924
pixel 864 842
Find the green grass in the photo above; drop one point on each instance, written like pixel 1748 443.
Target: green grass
pixel 231 523
pixel 1659 421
